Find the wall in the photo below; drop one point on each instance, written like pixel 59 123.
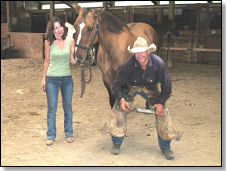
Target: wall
pixel 195 39
pixel 4 30
pixel 27 45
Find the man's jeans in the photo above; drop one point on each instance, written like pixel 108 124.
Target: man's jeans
pixel 163 144
pixel 52 87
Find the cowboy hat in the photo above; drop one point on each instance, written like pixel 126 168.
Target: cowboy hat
pixel 141 45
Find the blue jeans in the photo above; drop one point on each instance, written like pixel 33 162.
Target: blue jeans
pixel 163 144
pixel 52 87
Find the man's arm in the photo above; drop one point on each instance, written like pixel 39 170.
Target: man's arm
pixel 120 81
pixel 165 81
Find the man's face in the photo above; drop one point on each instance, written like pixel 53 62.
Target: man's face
pixel 142 57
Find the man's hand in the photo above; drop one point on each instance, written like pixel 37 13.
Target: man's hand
pixel 124 105
pixel 159 109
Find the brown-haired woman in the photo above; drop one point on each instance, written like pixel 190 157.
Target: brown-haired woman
pixel 59 53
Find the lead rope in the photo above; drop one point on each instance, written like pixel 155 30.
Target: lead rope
pixel 83 66
pixel 83 75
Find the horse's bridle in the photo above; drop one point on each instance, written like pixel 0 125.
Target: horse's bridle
pixel 91 43
pixel 83 67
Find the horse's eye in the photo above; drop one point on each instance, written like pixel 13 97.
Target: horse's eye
pixel 90 28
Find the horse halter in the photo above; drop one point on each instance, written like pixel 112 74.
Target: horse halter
pixel 91 43
pixel 83 67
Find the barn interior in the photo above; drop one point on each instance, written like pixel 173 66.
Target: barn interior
pixel 194 60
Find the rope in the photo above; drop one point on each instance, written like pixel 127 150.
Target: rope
pixel 83 74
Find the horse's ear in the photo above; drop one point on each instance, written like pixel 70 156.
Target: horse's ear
pixel 77 8
pixel 98 11
pixel 102 9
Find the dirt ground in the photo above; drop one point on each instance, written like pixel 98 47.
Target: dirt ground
pixel 195 105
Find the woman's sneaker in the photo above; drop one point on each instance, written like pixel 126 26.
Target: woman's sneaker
pixel 69 139
pixel 49 142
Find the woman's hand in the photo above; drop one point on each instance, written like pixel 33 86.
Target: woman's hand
pixel 43 85
pixel 73 61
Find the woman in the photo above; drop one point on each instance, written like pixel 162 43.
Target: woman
pixel 59 53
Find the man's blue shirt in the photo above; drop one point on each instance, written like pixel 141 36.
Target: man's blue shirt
pixel 131 73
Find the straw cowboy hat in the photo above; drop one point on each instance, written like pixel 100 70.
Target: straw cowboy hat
pixel 141 45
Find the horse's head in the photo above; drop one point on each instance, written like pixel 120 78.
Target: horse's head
pixel 86 36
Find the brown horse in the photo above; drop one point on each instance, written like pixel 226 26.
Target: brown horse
pixel 113 36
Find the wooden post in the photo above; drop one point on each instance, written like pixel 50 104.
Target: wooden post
pixel 128 15
pixel 170 17
pixel 188 53
pixel 47 16
pixel 131 14
pixel 51 9
pixel 207 24
pixel 8 16
pixel 194 53
pixel 171 10
pixel 159 20
pixel 192 45
pixel 66 16
pixel 159 14
pixel 195 38
pixel 198 19
pixel 126 11
pixel 105 6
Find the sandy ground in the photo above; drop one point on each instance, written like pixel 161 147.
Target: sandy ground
pixel 195 105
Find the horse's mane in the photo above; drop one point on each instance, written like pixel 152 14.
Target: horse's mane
pixel 86 11
pixel 113 24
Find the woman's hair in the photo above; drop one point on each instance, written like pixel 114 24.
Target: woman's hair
pixel 50 27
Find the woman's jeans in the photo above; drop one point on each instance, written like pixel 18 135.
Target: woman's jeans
pixel 52 87
pixel 163 144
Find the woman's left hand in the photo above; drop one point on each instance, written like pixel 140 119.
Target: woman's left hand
pixel 73 61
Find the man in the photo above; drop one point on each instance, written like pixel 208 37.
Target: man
pixel 140 74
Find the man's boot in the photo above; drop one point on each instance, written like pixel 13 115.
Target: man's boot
pixel 169 155
pixel 116 149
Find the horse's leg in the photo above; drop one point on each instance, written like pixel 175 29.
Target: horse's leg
pixel 102 61
pixel 108 78
pixel 112 97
